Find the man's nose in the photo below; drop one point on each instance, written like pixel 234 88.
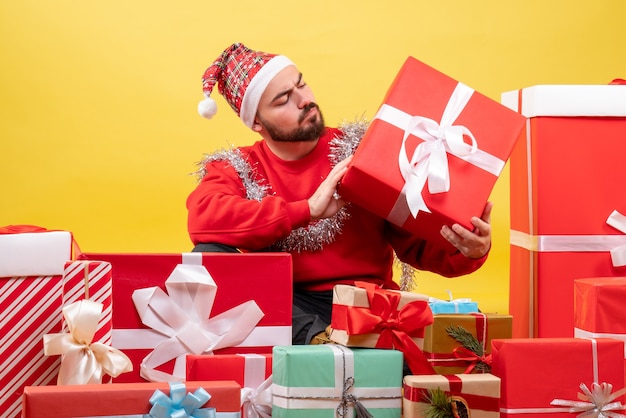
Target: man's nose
pixel 303 99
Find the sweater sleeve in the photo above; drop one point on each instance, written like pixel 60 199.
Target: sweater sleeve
pixel 424 255
pixel 219 212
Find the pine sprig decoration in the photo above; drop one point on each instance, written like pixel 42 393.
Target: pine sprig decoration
pixel 439 405
pixel 467 340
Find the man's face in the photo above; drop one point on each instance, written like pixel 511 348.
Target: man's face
pixel 287 110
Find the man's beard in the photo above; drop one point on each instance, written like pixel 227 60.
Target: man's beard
pixel 309 132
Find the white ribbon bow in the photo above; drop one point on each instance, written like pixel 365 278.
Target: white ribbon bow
pixel 618 254
pixel 595 403
pixel 429 162
pixel 182 315
pixel 257 403
pixel 83 361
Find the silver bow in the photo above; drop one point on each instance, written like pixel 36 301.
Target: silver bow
pixel 598 402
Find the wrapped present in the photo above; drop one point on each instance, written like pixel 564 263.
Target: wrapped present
pixel 598 309
pixel 432 153
pixel 452 306
pixel 239 281
pixel 251 371
pixel 551 169
pixel 536 371
pixel 479 394
pixel 461 343
pixel 331 380
pixel 84 361
pixel 133 400
pixel 90 280
pixel 364 315
pixel 31 267
pixel 27 250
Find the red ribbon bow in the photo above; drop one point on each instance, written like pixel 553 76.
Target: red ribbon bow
pixel 466 354
pixel 396 327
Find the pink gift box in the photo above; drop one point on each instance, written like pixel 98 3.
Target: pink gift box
pixel 419 102
pixel 265 278
pixel 563 192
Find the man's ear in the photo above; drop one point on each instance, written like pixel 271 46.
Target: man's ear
pixel 256 125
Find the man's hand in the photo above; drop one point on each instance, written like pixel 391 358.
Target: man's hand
pixel 471 244
pixel 323 203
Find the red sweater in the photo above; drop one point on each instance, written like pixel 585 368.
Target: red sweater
pixel 220 212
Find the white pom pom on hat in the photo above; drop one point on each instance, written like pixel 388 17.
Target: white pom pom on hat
pixel 207 108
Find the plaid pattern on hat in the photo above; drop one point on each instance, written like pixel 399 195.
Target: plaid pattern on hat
pixel 234 72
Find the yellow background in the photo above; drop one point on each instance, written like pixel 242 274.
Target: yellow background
pixel 98 122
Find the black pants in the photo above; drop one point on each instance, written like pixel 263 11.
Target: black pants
pixel 310 310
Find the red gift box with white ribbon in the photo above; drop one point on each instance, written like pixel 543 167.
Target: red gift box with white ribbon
pixel 432 153
pixel 567 205
pixel 166 306
pixel 251 371
pixel 535 372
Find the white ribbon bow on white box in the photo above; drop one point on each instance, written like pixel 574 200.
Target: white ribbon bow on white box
pixel 182 317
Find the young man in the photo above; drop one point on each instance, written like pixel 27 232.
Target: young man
pixel 280 194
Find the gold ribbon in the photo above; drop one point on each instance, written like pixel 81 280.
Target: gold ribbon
pixel 84 361
pixel 598 402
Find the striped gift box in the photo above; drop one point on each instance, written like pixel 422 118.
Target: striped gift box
pixel 31 270
pixel 90 280
pixel 31 308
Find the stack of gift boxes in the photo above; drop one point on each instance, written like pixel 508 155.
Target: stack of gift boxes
pixel 193 334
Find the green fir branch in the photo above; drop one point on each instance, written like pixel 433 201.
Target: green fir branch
pixel 439 404
pixel 467 340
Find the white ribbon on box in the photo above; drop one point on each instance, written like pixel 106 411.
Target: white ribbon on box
pixel 256 393
pixel 182 321
pixel 615 244
pixel 429 162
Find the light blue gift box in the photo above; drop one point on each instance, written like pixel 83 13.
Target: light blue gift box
pixel 461 306
pixel 325 381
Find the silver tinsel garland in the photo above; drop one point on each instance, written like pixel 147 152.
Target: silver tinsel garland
pixel 319 233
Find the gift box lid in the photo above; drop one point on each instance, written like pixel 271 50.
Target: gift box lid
pixel 568 100
pixel 34 253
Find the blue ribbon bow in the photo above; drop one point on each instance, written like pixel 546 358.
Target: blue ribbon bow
pixel 180 404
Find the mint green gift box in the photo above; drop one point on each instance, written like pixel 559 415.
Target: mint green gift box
pixel 330 380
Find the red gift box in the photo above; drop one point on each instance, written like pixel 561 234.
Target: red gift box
pixel 453 131
pixel 536 371
pixel 251 371
pixel 121 399
pixel 265 278
pixel 563 178
pixel 599 308
pixel 31 266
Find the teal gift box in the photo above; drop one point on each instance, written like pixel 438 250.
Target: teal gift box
pixel 329 380
pixel 460 306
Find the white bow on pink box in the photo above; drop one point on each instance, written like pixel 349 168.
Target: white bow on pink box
pixel 182 317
